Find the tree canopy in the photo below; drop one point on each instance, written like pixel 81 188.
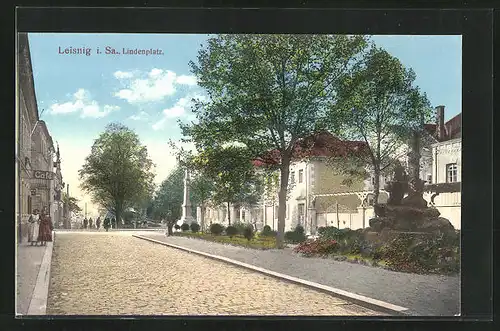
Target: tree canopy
pixel 268 91
pixel 118 172
pixel 382 108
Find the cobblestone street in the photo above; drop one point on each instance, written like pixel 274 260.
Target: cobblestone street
pixel 116 274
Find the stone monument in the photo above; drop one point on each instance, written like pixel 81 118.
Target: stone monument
pixel 186 206
pixel 411 213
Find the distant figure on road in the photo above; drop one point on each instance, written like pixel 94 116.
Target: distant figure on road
pixel 98 223
pixel 85 223
pixel 107 224
pixel 33 227
pixel 113 223
pixel 90 223
pixel 45 231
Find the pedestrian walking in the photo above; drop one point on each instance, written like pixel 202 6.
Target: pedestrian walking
pixel 98 223
pixel 33 227
pixel 45 230
pixel 113 223
pixel 90 223
pixel 107 224
pixel 85 223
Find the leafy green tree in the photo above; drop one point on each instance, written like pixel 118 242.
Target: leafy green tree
pixel 118 171
pixel 383 108
pixel 71 203
pixel 167 203
pixel 267 92
pixel 233 175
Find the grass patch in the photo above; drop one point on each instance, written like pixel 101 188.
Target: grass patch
pixel 237 240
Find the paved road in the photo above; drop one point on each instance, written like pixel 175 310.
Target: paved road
pixel 423 295
pixel 114 274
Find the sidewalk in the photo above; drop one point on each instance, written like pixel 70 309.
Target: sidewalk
pixel 423 295
pixel 29 259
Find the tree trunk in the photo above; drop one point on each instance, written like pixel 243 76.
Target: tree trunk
pixel 118 214
pixel 376 183
pixel 170 230
pixel 284 172
pixel 228 214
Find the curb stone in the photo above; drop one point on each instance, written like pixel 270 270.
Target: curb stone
pixel 38 303
pixel 360 300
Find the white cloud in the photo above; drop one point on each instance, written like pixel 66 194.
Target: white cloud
pixel 84 104
pixel 159 125
pixel 140 116
pixel 186 80
pixel 123 74
pixel 153 86
pixel 181 109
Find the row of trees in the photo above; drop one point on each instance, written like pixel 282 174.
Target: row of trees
pixel 267 93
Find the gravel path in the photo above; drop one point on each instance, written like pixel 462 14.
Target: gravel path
pixel 423 295
pixel 117 274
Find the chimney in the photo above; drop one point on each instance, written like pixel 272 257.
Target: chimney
pixel 440 130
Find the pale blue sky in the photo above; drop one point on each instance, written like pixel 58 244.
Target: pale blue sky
pixel 81 94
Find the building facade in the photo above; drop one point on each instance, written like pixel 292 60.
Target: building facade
pixel 319 196
pixel 27 120
pixel 37 182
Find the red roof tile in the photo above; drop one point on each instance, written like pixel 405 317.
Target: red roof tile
pixel 320 144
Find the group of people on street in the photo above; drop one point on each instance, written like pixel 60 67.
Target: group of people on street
pixel 40 227
pixel 89 223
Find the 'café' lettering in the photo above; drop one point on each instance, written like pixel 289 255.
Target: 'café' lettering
pixel 38 174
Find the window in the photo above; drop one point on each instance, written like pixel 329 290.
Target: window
pixel 429 179
pixel 301 175
pixel 451 173
pixel 301 212
pixel 243 215
pixel 292 177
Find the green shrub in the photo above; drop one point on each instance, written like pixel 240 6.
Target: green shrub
pixel 216 229
pixel 294 237
pixel 240 227
pixel 248 232
pixel 267 232
pixel 185 227
pixel 195 227
pixel 177 227
pixel 299 229
pixel 231 231
pixel 317 247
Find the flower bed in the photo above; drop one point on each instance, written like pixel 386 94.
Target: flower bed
pixel 404 252
pixel 237 240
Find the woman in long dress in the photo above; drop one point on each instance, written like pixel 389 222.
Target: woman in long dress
pixel 33 227
pixel 45 231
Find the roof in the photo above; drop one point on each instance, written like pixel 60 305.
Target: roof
pixel 319 144
pixel 454 127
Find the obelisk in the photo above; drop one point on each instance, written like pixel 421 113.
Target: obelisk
pixel 186 206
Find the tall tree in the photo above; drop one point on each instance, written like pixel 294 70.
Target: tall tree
pixel 118 171
pixel 268 91
pixel 383 108
pixel 167 203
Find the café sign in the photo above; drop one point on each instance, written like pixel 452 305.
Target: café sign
pixel 47 175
